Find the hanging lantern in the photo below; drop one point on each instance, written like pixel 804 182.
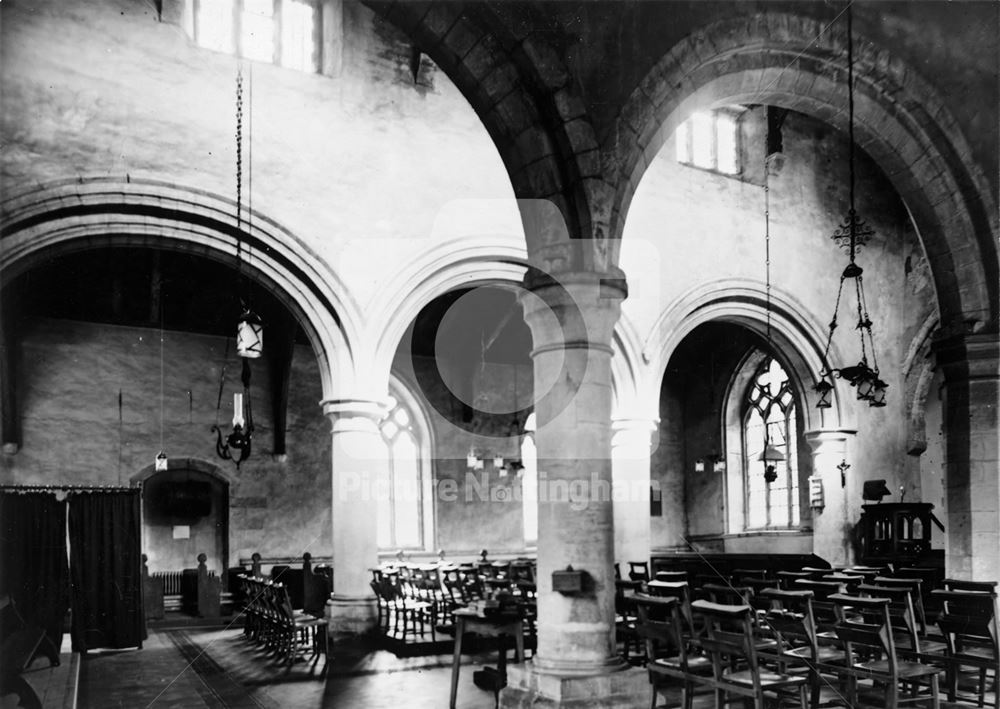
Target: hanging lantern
pixel 865 383
pixel 823 391
pixel 852 234
pixel 877 397
pixel 161 462
pixel 250 335
pixel 241 439
pixel 771 456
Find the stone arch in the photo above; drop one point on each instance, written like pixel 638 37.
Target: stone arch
pixel 795 62
pixel 744 302
pixel 77 215
pixel 196 464
pixel 524 94
pixel 217 520
pixel 451 265
pixel 472 262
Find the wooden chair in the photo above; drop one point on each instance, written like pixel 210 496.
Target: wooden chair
pixel 871 655
pixel 679 590
pixel 960 585
pixel 626 619
pixel 297 630
pixel 798 644
pixel 787 579
pixel 638 570
pixel 915 586
pixel 824 610
pixel 736 670
pixel 910 643
pixel 968 621
pixel 848 582
pixel 672 576
pixel 668 654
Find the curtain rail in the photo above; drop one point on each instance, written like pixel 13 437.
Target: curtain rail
pixel 69 488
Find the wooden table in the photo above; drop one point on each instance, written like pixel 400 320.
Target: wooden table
pixel 468 621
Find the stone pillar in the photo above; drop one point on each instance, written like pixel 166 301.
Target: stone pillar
pixel 630 452
pixel 972 454
pixel 833 526
pixel 576 663
pixel 360 458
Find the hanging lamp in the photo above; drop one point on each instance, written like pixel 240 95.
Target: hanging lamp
pixel 853 234
pixel 237 445
pixel 771 455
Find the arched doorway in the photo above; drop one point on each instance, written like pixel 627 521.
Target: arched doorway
pixel 185 512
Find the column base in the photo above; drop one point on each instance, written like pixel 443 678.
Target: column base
pixel 527 687
pixel 350 617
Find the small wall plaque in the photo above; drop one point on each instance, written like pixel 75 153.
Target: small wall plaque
pixel 182 531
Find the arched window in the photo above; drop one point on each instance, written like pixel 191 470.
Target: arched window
pixel 529 482
pixel 769 420
pixel 404 504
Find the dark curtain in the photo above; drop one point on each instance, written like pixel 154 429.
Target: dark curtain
pixel 105 563
pixel 33 565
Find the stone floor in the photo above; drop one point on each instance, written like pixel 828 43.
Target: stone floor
pixel 218 668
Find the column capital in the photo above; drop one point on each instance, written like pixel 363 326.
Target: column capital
pixel 965 357
pixel 576 310
pixel 829 440
pixel 632 433
pixel 354 414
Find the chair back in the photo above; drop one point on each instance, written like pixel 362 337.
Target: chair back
pixel 660 626
pixel 969 618
pixel 672 576
pixel 638 570
pixel 729 638
pixel 902 616
pixel 675 589
pixel 916 588
pixel 960 585
pixel 872 635
pixel 787 579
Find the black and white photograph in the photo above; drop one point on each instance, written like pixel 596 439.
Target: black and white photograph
pixel 499 354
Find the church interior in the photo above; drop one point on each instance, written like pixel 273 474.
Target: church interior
pixel 685 318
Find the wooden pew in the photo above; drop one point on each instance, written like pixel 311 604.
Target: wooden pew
pixel 152 593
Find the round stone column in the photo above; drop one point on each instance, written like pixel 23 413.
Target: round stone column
pixel 576 664
pixel 833 525
pixel 972 454
pixel 630 452
pixel 360 460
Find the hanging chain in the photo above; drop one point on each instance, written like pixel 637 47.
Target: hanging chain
pixel 239 172
pixel 833 323
pixel 852 215
pixel 767 223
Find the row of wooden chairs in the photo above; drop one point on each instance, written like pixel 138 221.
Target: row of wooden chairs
pixel 411 598
pixel 271 622
pixel 824 622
